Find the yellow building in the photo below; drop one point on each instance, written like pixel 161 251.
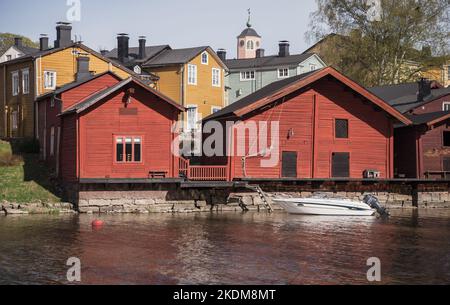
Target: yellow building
pixel 194 77
pixel 24 79
pixel 440 74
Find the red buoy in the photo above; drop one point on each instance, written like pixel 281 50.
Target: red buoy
pixel 97 223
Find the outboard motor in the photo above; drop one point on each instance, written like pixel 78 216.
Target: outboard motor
pixel 374 203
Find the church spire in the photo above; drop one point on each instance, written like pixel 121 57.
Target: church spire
pixel 249 25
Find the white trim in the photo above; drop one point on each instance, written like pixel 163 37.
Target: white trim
pixel 283 69
pixel 247 79
pixel 444 104
pixel 192 79
pixel 53 85
pixel 25 72
pixel 15 76
pixel 207 58
pixel 219 77
pixel 52 141
pixel 188 129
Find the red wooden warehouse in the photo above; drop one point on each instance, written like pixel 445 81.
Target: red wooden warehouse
pixel 102 127
pixel 329 127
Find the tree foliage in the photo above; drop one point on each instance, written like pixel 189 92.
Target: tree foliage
pixel 380 42
pixel 7 40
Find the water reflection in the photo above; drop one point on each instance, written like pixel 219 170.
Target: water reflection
pixel 227 248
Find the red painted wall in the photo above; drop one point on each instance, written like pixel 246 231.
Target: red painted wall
pixel 370 142
pixel 99 125
pixel 433 106
pixel 406 152
pixel 433 150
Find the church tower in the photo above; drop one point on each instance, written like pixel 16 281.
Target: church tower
pixel 248 42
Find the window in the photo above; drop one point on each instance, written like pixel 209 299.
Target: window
pixel 52 141
pixel 215 109
pixel 216 77
pixel 250 45
pixel 446 139
pixel 192 74
pixel 192 117
pixel 446 106
pixel 26 81
pixel 15 83
pixel 247 75
pixel 205 58
pixel 8 57
pixel 14 120
pixel 128 149
pixel 340 165
pixel 49 80
pixel 137 70
pixel 341 129
pixel 283 73
pixel 313 67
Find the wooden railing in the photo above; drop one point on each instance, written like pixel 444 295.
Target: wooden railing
pixel 202 173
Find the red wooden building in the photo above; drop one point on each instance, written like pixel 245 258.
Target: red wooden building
pixel 329 127
pixel 422 150
pixel 102 127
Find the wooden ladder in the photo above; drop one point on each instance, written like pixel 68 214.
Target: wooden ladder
pixel 262 195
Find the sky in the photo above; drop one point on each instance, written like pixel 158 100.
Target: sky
pixel 180 23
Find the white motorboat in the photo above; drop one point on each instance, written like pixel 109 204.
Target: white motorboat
pixel 331 206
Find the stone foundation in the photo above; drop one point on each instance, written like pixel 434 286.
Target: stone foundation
pixel 176 198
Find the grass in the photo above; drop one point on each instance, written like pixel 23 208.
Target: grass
pixel 25 179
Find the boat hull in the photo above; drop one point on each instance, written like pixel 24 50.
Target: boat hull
pixel 324 208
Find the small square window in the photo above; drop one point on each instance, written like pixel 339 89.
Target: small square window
pixel 283 73
pixel 49 80
pixel 446 138
pixel 341 129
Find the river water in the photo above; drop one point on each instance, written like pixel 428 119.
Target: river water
pixel 229 248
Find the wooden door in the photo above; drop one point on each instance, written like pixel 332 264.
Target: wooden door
pixel 340 165
pixel 289 164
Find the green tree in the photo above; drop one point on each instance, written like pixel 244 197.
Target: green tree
pixel 380 42
pixel 7 40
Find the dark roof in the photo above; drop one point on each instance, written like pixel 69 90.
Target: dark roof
pixel 75 84
pixel 267 61
pixel 404 97
pixel 150 51
pixel 249 32
pixel 257 95
pixel 98 96
pixel 26 50
pixel 420 119
pixel 174 57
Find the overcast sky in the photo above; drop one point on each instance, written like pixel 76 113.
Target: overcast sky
pixel 180 23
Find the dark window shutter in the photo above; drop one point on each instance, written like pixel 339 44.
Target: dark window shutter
pixel 341 165
pixel 289 167
pixel 341 129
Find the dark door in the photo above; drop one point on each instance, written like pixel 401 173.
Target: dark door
pixel 446 164
pixel 341 165
pixel 289 160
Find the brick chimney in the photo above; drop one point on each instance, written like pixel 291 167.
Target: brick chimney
pixel 284 48
pixel 424 89
pixel 122 47
pixel 142 50
pixel 222 53
pixel 63 35
pixel 43 42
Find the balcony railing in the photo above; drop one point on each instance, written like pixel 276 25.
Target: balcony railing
pixel 202 173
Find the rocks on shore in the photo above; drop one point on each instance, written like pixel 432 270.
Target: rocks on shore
pixel 9 208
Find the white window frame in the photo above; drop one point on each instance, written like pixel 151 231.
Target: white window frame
pixel 188 127
pixel 216 79
pixel 446 105
pixel 15 83
pixel 245 78
pixel 281 73
pixel 48 86
pixel 137 70
pixel 250 45
pixel 192 74
pixel 215 109
pixel 312 67
pixel 8 57
pixel 207 58
pixel 448 72
pixel 26 81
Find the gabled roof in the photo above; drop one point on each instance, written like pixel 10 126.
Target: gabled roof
pixel 249 31
pixel 429 119
pixel 73 45
pixel 23 49
pixel 279 89
pixel 404 97
pixel 150 51
pixel 268 61
pixel 98 96
pixel 75 84
pixel 178 57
